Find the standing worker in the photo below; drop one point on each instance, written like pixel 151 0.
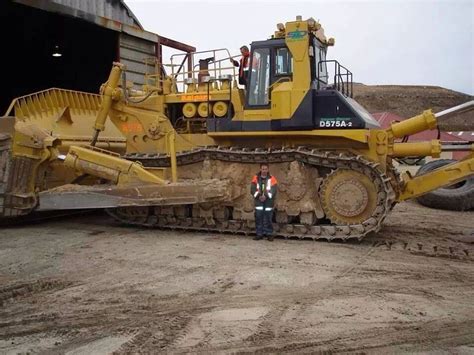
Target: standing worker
pixel 263 189
pixel 243 65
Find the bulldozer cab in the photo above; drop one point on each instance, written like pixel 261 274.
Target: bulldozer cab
pixel 272 62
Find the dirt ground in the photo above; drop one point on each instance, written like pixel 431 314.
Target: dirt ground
pixel 87 285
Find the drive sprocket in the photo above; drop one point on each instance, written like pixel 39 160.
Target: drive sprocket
pixel 348 196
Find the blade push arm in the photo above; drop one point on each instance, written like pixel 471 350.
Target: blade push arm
pixel 441 177
pixel 107 165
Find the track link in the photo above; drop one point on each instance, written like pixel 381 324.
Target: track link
pixel 145 216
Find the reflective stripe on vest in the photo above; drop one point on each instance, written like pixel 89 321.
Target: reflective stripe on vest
pixel 244 64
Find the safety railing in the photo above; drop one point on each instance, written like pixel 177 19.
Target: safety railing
pixel 215 63
pixel 343 81
pixel 185 70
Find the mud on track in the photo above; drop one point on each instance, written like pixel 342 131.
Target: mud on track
pixel 85 284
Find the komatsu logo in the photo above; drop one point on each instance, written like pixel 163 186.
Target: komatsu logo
pixel 296 35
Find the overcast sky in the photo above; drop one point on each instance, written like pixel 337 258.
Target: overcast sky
pixel 381 42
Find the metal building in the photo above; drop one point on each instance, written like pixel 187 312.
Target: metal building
pixel 71 44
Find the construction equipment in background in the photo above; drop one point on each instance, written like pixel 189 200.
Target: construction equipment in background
pixel 456 197
pixel 194 138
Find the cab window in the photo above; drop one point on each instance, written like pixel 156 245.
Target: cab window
pixel 283 62
pixel 258 88
pixel 319 57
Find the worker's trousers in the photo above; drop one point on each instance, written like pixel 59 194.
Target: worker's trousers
pixel 263 220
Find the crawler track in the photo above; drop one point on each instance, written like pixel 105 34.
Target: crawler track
pixel 316 158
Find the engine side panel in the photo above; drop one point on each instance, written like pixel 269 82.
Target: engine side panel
pixel 320 109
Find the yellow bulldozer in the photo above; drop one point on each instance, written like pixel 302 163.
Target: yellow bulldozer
pixel 179 152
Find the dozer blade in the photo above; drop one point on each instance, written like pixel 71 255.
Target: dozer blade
pixel 15 197
pixel 5 145
pixel 69 197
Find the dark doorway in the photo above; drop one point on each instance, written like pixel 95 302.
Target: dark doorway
pixel 83 52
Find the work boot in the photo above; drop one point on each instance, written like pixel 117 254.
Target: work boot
pixel 257 237
pixel 270 238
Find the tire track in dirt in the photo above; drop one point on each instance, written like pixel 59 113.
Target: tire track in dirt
pixel 268 327
pixel 412 337
pixel 156 333
pixel 25 289
pixel 430 247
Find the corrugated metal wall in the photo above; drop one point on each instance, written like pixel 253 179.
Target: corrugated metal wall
pixel 133 52
pixel 112 9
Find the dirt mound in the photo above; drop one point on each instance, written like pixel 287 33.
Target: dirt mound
pixel 407 101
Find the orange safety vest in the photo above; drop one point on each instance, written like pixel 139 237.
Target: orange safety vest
pixel 268 188
pixel 244 65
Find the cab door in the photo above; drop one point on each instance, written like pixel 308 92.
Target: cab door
pixel 269 68
pixel 258 87
pixel 281 86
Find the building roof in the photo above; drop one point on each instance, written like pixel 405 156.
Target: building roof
pixel 112 14
pixel 115 10
pixel 465 135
